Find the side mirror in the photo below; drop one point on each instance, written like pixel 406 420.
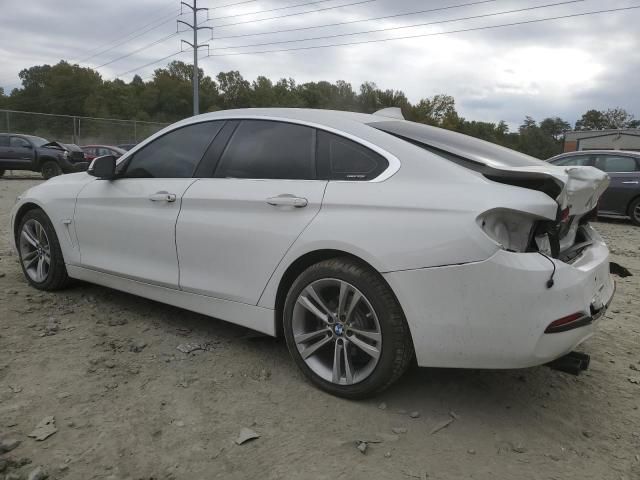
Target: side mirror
pixel 103 167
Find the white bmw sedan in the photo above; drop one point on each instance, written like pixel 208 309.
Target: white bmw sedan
pixel 366 240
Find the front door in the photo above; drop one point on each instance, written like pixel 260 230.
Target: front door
pixel 126 226
pixel 234 229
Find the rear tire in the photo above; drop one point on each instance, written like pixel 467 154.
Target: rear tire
pixel 371 342
pixel 40 254
pixel 50 169
pixel 634 212
pixel 1 172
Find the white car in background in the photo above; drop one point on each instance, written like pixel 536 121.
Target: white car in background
pixel 365 240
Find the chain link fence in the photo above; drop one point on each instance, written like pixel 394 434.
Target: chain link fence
pixel 76 129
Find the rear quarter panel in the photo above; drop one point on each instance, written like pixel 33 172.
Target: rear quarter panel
pixel 403 224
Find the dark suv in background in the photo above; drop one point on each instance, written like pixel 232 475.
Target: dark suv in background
pixel 622 197
pixel 36 154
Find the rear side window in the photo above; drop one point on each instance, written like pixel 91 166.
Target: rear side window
pixel 611 163
pixel 342 159
pixel 175 154
pixel 4 141
pixel 577 161
pixel 269 150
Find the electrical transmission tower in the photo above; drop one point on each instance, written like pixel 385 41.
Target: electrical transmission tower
pixel 196 80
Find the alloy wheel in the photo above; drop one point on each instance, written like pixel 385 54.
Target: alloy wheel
pixel 35 251
pixel 336 331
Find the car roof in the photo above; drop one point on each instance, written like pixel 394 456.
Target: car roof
pixel 631 153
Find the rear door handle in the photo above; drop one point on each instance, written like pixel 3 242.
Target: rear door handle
pixel 631 183
pixel 287 200
pixel 163 197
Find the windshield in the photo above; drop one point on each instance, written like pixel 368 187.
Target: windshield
pixel 464 146
pixel 37 141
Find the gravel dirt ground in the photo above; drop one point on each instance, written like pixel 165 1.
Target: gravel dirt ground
pixel 128 404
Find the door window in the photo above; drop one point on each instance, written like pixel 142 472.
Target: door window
pixel 101 151
pixel 342 159
pixel 4 141
pixel 577 161
pixel 175 154
pixel 613 163
pixel 17 142
pixel 269 150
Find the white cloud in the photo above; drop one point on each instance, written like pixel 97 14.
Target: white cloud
pixel 554 68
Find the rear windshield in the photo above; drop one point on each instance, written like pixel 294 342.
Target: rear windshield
pixel 440 140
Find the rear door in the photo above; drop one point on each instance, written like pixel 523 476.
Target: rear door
pixel 126 226
pixel 4 151
pixel 20 153
pixel 235 227
pixel 624 172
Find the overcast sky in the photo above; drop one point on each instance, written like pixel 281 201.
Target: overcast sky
pixel 561 67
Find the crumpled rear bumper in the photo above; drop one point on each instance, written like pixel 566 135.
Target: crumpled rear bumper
pixel 493 314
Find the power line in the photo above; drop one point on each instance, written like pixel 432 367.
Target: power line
pixel 234 4
pixel 270 10
pixel 138 50
pixel 424 24
pixel 252 21
pixel 134 32
pixel 449 7
pixel 407 37
pixel 292 14
pixel 150 63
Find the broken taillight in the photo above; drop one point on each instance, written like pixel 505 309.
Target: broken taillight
pixel 511 229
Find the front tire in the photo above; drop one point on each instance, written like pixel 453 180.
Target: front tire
pixel 634 212
pixel 40 254
pixel 2 172
pixel 345 329
pixel 50 169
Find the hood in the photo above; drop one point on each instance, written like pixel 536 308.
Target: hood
pixel 69 147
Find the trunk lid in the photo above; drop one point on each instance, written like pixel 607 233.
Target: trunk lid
pixel 580 187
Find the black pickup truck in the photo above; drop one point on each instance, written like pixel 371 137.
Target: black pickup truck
pixel 28 152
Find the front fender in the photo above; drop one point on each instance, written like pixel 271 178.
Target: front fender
pixel 57 198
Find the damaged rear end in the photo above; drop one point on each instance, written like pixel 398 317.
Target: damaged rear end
pixel 544 290
pixel 576 191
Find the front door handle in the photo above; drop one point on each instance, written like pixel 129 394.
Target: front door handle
pixel 163 197
pixel 287 200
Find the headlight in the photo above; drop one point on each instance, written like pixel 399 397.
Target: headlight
pixel 510 229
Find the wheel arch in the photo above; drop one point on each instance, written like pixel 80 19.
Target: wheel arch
pixel 633 199
pixel 20 213
pixel 629 210
pixel 303 262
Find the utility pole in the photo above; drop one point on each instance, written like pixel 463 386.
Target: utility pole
pixel 196 81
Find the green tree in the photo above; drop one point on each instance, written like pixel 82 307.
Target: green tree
pixel 592 120
pixel 235 91
pixel 554 127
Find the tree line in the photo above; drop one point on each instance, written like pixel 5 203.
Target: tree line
pixel 70 89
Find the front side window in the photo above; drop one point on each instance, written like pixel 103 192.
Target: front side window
pixel 577 161
pixel 264 149
pixel 342 159
pixel 17 142
pixel 612 163
pixel 175 154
